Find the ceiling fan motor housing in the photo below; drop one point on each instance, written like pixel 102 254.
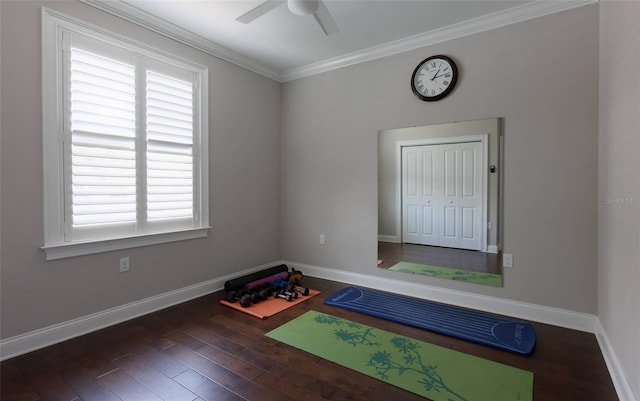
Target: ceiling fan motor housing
pixel 303 7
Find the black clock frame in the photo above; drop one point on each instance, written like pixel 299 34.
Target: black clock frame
pixel 454 79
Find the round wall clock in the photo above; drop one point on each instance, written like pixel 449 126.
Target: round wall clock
pixel 434 78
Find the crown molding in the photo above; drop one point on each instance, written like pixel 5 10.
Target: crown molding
pixel 488 22
pixel 142 18
pixel 527 11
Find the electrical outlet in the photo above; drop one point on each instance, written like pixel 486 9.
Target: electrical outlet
pixel 322 239
pixel 507 260
pixel 124 264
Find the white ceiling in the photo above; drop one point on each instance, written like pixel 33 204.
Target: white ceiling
pixel 285 46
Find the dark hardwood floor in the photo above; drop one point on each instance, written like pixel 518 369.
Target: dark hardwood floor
pixel 392 253
pixel 201 350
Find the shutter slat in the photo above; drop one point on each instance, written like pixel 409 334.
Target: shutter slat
pixel 174 197
pixel 113 154
pixel 154 165
pixel 87 190
pixel 104 199
pixel 103 218
pixel 82 89
pixel 157 148
pixel 157 104
pixel 98 182
pixel 169 136
pixel 171 214
pixel 170 118
pixel 105 143
pixel 168 183
pixel 158 191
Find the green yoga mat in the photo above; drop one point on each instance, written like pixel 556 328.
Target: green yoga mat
pixel 450 273
pixel 434 372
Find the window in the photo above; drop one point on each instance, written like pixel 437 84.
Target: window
pixel 125 144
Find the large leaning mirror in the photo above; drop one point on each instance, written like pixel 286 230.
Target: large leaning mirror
pixel 439 200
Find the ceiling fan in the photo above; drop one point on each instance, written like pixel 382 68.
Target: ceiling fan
pixel 298 7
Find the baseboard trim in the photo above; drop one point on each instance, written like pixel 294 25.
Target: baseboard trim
pixel 620 382
pixel 395 240
pixel 31 341
pixel 388 238
pixel 522 310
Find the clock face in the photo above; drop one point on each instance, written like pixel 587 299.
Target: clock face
pixel 434 78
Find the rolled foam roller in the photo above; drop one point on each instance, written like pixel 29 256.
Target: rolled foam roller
pixel 238 283
pixel 268 279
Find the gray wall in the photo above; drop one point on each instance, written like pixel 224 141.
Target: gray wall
pixel 540 76
pixel 619 185
pixel 244 186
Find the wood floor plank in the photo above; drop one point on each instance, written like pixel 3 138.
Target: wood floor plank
pixel 180 337
pixel 125 387
pixel 14 386
pixel 153 379
pixel 205 388
pixel 160 360
pixel 87 386
pixel 218 374
pixel 237 365
pixel 43 379
pixel 211 338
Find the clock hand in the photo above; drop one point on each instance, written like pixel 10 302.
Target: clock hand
pixel 436 75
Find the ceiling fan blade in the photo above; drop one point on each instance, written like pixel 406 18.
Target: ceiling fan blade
pixel 325 20
pixel 259 11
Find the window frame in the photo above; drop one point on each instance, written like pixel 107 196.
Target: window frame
pixel 56 27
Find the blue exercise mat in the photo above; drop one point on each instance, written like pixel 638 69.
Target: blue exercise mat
pixel 478 327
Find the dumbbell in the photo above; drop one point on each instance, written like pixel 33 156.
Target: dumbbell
pixel 253 296
pixel 302 290
pixel 285 296
pixel 245 299
pixel 295 277
pixel 262 292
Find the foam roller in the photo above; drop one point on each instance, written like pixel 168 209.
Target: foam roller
pixel 239 283
pixel 268 279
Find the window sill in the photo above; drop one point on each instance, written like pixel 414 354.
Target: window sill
pixel 60 251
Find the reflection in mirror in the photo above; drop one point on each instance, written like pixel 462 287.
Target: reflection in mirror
pixel 439 201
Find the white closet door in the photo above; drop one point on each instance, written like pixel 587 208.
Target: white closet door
pixel 442 195
pixel 419 216
pixel 471 196
pixel 448 166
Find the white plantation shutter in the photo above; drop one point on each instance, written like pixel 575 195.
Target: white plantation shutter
pixel 106 169
pixel 125 147
pixel 103 138
pixel 169 147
